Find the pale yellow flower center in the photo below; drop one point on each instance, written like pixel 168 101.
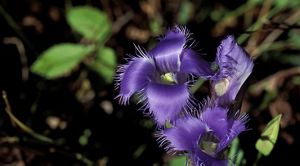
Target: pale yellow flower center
pixel 221 87
pixel 168 78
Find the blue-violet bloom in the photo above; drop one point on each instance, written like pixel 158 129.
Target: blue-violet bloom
pixel 161 76
pixel 205 138
pixel 234 67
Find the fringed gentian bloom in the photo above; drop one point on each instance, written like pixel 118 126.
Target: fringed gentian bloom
pixel 161 76
pixel 205 138
pixel 234 68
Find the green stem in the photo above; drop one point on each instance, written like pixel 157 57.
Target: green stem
pixel 197 85
pixel 258 157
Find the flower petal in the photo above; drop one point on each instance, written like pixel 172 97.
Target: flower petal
pixel 199 158
pixel 234 68
pixel 165 102
pixel 238 126
pixel 182 78
pixel 133 77
pixel 216 119
pixel 192 63
pixel 184 135
pixel 167 52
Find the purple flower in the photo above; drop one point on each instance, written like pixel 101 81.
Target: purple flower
pixel 204 138
pixel 161 76
pixel 234 68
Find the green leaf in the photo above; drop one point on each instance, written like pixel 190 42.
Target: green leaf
pixel 268 138
pixel 90 22
pixel 233 149
pixel 178 161
pixel 236 154
pixel 60 59
pixel 105 63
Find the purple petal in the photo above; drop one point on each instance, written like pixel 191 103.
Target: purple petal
pixel 216 120
pixel 165 102
pixel 231 93
pixel 184 135
pixel 167 52
pixel 134 76
pixel 199 158
pixel 233 61
pixel 192 63
pixel 227 53
pixel 182 78
pixel 238 126
pixel 234 68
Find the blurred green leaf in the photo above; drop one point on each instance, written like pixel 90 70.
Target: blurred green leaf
pixel 178 161
pixel 268 97
pixel 185 12
pixel 290 59
pixel 155 26
pixel 85 160
pixel 236 154
pixel 60 59
pixel 218 14
pixel 240 158
pixel 105 63
pixel 90 22
pixel 256 2
pixel 139 151
pixel 147 123
pixel 282 4
pixel 233 150
pixel 294 37
pixel 84 138
pixel 268 138
pixel 296 80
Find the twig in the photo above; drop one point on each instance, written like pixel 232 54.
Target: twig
pixel 272 82
pixel 107 8
pixel 275 34
pixel 35 135
pixel 21 49
pixel 227 19
pixel 257 25
pixel 9 140
pixel 16 28
pixel 253 40
pixel 20 124
pixel 120 22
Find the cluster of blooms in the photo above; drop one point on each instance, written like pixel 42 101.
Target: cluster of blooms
pixel 161 79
